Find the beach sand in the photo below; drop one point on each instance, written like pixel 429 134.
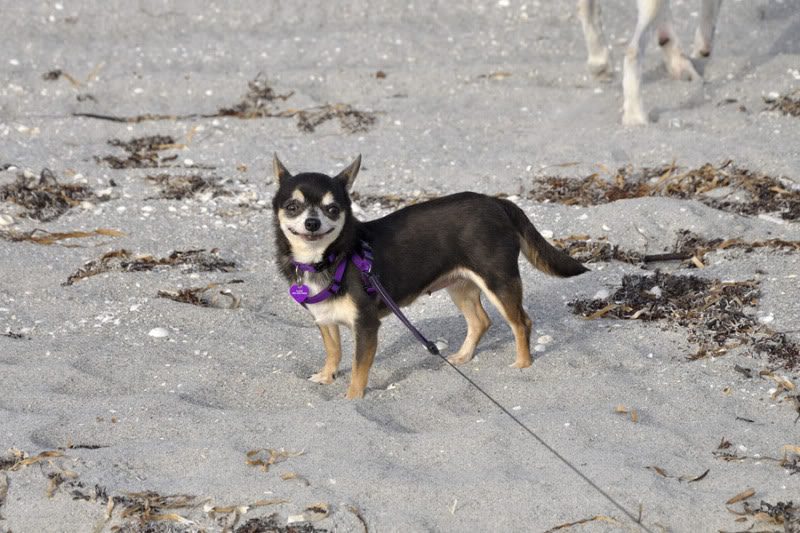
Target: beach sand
pixel 486 96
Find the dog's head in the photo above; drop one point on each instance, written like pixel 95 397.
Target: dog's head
pixel 311 209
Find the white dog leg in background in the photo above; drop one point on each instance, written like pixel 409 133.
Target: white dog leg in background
pixel 589 15
pixel 678 65
pixel 704 36
pixel 651 12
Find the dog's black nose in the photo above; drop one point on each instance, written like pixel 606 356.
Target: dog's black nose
pixel 312 224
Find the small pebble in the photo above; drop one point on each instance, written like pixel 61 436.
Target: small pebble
pixel 159 332
pixel 539 348
pixel 547 234
pixel 442 345
pixel 766 319
pixel 544 339
pixel 6 220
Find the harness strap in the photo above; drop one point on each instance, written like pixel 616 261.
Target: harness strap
pixel 332 288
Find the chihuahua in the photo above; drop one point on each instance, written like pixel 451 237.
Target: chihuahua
pixel 465 243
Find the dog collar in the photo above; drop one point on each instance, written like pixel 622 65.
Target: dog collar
pixel 315 267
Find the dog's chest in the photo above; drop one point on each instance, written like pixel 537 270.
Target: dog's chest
pixel 339 310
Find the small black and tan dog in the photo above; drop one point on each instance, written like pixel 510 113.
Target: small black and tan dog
pixel 466 243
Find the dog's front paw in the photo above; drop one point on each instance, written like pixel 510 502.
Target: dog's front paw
pixel 323 378
pixel 459 358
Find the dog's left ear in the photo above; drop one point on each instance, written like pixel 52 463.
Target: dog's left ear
pixel 279 170
pixel 348 175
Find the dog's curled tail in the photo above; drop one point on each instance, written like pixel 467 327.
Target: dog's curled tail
pixel 537 250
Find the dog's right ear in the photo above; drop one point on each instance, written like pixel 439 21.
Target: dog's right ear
pixel 279 170
pixel 348 175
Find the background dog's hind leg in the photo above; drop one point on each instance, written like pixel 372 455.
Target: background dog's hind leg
pixel 366 345
pixel 649 13
pixel 704 36
pixel 467 297
pixel 333 354
pixel 679 66
pixel 596 47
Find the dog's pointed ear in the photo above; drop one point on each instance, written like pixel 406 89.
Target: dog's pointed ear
pixel 279 170
pixel 348 175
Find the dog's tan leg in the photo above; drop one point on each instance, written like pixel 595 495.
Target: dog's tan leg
pixel 508 301
pixel 589 15
pixel 333 351
pixel 467 297
pixel 366 345
pixel 520 322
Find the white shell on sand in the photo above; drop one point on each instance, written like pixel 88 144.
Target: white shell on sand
pixel 158 332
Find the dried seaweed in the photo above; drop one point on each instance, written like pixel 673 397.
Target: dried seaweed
pixel 257 103
pixel 765 194
pixel 586 250
pixel 351 120
pixel 712 311
pixel 142 152
pixel 788 104
pixel 271 524
pixel 54 75
pixel 783 515
pixel 144 507
pixel 181 187
pixel 40 236
pixel 12 335
pixel 689 479
pixel 275 456
pixel 123 261
pixel 692 248
pixel 45 199
pixel 197 295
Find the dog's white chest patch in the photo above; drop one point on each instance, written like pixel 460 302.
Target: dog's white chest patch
pixel 341 310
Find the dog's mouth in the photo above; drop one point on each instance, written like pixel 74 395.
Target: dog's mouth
pixel 311 236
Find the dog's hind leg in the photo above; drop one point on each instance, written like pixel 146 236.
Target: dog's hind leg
pixel 333 351
pixel 467 297
pixel 704 36
pixel 679 66
pixel 366 340
pixel 508 300
pixel 589 15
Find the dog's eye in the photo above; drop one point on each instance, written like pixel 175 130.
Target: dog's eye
pixel 292 208
pixel 333 210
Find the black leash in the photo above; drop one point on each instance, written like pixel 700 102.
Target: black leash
pixel 364 264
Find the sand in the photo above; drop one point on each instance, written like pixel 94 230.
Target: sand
pixel 484 96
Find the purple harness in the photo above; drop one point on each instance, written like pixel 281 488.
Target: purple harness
pixel 371 283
